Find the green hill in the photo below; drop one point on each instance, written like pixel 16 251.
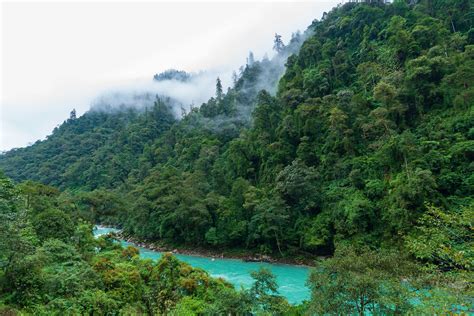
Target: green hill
pixel 358 134
pixel 372 122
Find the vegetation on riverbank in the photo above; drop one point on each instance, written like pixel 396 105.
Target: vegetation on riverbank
pixel 367 143
pixel 244 254
pixel 51 265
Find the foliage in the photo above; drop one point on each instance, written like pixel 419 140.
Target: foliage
pixel 371 120
pixel 366 138
pixel 357 282
pixel 445 239
pixel 68 271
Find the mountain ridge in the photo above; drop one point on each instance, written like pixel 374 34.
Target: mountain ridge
pixel 352 147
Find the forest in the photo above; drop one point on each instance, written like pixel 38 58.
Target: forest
pixel 354 143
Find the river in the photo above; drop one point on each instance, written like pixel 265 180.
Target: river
pixel 291 279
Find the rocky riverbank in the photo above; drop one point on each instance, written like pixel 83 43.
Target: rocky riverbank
pixel 214 253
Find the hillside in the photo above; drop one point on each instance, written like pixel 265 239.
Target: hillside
pixel 364 140
pixel 372 123
pixel 101 148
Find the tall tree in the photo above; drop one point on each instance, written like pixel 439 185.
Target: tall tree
pixel 72 115
pixel 278 44
pixel 250 59
pixel 218 88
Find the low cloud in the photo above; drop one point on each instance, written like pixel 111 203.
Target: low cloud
pixel 142 93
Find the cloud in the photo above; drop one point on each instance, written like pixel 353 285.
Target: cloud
pixel 140 93
pixel 70 53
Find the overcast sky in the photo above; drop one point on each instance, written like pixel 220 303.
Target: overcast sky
pixel 58 56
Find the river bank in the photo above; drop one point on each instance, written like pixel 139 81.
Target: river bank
pixel 216 253
pixel 240 254
pixel 290 279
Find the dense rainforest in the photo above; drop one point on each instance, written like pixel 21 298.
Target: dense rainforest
pixel 50 264
pixel 355 141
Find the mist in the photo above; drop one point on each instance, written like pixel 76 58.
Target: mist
pixel 141 93
pixel 88 60
pixel 270 72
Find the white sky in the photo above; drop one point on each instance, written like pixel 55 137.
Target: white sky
pixel 57 56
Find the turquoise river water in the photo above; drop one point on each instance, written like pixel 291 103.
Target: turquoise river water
pixel 291 279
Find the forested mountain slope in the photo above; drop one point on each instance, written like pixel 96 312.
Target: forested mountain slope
pixel 71 155
pixel 362 148
pixel 101 148
pixel 372 125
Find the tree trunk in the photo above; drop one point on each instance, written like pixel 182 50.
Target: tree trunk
pixel 278 243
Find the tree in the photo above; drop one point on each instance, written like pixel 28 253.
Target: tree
pixel 235 78
pixel 315 82
pixel 72 115
pixel 218 89
pixel 386 94
pixel 359 282
pixel 9 196
pixel 53 223
pixel 278 45
pixel 84 239
pixel 264 293
pixel 38 197
pixel 297 185
pixel 17 236
pixel 444 238
pixel 270 222
pixel 458 86
pixel 266 115
pixel 250 59
pixel 408 193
